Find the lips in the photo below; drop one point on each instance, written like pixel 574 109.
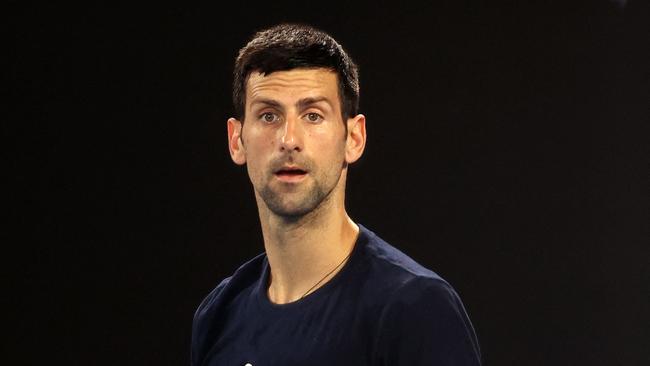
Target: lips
pixel 290 174
pixel 291 171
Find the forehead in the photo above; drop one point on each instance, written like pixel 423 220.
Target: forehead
pixel 296 83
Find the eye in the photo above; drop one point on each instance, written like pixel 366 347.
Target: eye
pixel 269 117
pixel 313 117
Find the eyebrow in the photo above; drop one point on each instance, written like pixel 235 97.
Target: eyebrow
pixel 305 102
pixel 301 104
pixel 269 102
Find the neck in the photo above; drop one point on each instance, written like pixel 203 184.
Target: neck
pixel 301 252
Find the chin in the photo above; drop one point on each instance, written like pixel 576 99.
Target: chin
pixel 291 211
pixel 296 205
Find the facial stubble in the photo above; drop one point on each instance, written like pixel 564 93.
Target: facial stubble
pixel 307 196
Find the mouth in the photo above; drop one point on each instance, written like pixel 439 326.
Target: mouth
pixel 290 174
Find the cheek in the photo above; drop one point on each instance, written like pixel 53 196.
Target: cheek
pixel 258 145
pixel 258 155
pixel 331 154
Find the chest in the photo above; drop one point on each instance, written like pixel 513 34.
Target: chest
pixel 322 335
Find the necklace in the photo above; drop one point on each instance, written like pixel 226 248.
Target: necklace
pixel 328 273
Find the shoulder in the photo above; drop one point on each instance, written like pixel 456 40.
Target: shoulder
pixel 395 268
pixel 422 318
pixel 243 277
pixel 407 282
pixel 404 283
pixel 226 292
pixel 208 317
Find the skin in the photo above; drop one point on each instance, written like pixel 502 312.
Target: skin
pixel 293 121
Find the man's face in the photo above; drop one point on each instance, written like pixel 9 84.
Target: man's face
pixel 293 139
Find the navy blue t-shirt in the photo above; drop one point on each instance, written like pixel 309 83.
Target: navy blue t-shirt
pixel 381 308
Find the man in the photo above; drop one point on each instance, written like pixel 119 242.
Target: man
pixel 327 291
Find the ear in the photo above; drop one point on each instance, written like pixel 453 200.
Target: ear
pixel 235 144
pixel 356 139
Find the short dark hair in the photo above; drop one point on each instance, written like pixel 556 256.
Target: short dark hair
pixel 291 46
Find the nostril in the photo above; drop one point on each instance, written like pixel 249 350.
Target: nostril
pixel 289 147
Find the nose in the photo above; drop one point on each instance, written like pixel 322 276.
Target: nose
pixel 291 139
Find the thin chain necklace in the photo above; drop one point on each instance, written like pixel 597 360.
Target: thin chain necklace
pixel 329 273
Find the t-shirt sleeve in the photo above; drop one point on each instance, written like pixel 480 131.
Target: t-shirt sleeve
pixel 425 323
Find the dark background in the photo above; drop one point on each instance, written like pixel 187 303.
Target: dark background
pixel 508 151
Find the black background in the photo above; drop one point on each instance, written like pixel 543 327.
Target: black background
pixel 508 151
